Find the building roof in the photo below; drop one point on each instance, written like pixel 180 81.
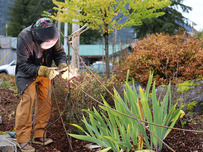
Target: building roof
pixel 97 50
pixel 84 49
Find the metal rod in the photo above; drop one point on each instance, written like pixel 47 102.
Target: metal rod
pixel 62 69
pixel 69 99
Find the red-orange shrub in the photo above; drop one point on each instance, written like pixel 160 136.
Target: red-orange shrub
pixel 170 58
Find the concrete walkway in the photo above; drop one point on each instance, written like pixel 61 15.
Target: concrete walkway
pixel 7 144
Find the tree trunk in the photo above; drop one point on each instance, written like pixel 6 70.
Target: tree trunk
pixel 76 43
pixel 66 35
pixel 106 37
pixel 113 48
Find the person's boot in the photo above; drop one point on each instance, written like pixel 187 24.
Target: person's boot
pixel 26 147
pixel 40 141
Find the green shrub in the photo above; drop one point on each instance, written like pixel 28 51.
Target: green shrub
pixel 170 58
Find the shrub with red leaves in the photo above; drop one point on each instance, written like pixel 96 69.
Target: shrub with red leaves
pixel 171 58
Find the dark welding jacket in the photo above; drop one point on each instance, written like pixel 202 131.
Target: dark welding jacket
pixel 30 57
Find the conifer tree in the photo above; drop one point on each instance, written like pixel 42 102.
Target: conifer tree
pixel 169 23
pixel 24 12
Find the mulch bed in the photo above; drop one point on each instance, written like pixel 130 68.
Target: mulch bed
pixel 180 141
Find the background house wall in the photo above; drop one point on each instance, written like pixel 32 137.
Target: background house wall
pixel 8 49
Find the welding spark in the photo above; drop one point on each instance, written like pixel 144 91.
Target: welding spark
pixel 70 74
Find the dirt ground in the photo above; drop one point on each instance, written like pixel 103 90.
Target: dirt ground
pixel 180 141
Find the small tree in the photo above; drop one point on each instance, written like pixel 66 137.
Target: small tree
pixel 107 15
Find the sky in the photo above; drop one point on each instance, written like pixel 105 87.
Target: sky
pixel 196 15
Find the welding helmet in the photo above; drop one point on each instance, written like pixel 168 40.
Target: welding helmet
pixel 45 33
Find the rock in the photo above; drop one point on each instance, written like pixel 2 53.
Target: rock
pixel 123 87
pixel 188 94
pixel 7 144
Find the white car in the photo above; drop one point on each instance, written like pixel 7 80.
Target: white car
pixel 8 68
pixel 100 67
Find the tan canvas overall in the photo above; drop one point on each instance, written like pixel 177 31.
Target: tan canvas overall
pixel 24 110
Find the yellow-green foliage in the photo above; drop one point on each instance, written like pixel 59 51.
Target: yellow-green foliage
pixel 11 115
pixel 185 86
pixel 179 99
pixel 104 14
pixel 191 106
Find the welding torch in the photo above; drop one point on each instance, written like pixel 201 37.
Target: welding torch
pixel 59 70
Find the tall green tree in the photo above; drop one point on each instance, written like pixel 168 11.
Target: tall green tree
pixel 90 37
pixel 169 23
pixel 108 15
pixel 24 12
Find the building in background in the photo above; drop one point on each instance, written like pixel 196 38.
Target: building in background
pixel 7 49
pixel 3 15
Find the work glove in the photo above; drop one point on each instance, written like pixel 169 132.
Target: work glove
pixel 45 71
pixel 69 73
pixel 62 65
pixel 65 72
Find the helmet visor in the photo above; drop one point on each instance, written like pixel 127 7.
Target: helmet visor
pixel 48 44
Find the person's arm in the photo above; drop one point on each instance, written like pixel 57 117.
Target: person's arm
pixel 23 58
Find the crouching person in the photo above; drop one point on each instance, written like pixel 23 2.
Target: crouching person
pixel 37 47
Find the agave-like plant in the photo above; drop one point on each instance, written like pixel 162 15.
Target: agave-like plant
pixel 118 131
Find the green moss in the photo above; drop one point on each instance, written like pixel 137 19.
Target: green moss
pixel 199 79
pixel 191 106
pixel 179 100
pixel 4 133
pixel 185 86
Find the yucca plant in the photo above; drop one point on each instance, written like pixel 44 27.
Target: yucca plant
pixel 161 113
pixel 114 130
